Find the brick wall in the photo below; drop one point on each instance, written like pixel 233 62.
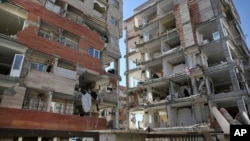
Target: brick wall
pixel 87 37
pixel 183 23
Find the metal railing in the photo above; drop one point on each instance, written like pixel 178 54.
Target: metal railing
pixel 64 41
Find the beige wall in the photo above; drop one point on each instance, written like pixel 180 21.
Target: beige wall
pixel 14 101
pixel 39 80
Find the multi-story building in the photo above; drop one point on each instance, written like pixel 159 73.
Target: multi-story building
pixel 52 49
pixel 184 58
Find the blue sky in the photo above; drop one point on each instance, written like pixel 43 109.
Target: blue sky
pixel 129 5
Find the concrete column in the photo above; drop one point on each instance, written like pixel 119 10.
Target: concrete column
pixel 228 52
pixel 149 94
pixel 116 118
pixel 130 82
pixel 116 108
pixel 49 99
pixel 241 104
pixel 198 112
pixel 245 83
pixel 145 119
pixel 20 138
pixel 208 86
pixel 194 85
pixel 189 59
pixel 204 112
pixel 116 66
pixel 172 116
pixel 204 60
pixel 129 121
pixel 68 107
pixel 148 73
pixel 147 56
pixel 150 118
pixel 55 65
pixel 248 107
pixel 39 139
pixel 167 68
pixel 234 79
pixel 172 92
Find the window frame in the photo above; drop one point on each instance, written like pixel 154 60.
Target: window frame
pixel 94 52
pixel 38 67
pixel 114 21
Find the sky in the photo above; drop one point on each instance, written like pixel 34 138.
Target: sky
pixel 242 6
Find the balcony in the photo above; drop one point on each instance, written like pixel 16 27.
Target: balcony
pixel 29 119
pixel 75 17
pixel 68 42
pixel 47 80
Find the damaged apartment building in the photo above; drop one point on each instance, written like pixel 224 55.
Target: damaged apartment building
pixel 184 57
pixel 51 50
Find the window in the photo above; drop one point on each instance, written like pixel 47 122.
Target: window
pixel 115 3
pixel 216 35
pixel 38 67
pixel 94 53
pixel 18 62
pixel 114 21
pixel 17 65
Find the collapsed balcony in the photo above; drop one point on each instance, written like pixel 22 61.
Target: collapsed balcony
pixel 174 64
pixel 146 17
pixel 150 52
pixel 164 8
pixel 222 84
pixel 151 32
pixel 207 33
pixel 167 24
pixel 155 117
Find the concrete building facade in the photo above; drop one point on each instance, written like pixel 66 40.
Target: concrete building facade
pixel 184 57
pixel 51 50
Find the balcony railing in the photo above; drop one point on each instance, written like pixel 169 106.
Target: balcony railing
pixel 74 17
pixel 64 41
